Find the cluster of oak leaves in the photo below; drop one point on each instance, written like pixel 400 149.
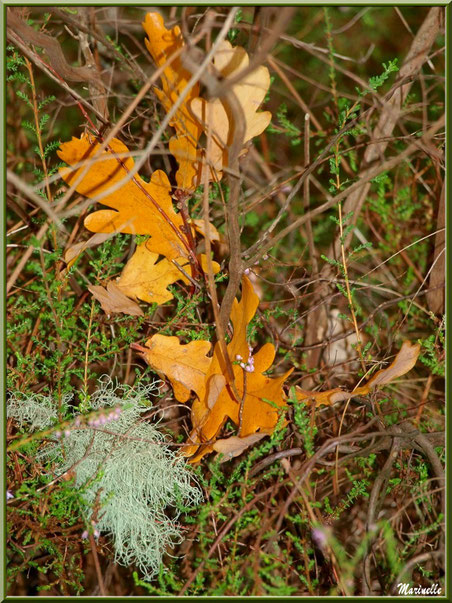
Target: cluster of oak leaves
pixel 101 170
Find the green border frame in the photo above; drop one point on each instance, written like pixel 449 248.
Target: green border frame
pixel 335 3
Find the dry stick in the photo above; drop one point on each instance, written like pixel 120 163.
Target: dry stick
pixel 100 579
pixel 435 300
pixel 367 176
pixel 97 90
pixel 18 41
pixel 53 49
pixel 232 209
pixel 220 332
pixel 138 73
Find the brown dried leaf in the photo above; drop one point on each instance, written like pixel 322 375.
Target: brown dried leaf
pixel 113 300
pixel 403 362
pixel 234 446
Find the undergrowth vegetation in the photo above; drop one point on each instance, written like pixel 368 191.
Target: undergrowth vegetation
pixel 340 227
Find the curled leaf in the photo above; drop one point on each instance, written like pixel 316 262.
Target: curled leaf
pixel 403 362
pixel 219 117
pixel 76 250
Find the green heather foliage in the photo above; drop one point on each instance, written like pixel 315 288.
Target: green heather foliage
pixel 131 483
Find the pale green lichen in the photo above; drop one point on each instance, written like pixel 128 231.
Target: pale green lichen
pixel 130 480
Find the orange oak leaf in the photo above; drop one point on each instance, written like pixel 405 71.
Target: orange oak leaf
pixel 163 44
pixel 184 365
pixel 256 409
pixel 217 116
pixel 139 207
pixel 403 362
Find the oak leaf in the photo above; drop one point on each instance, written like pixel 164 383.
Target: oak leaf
pixel 184 365
pixel 251 400
pixel 145 278
pixel 218 117
pixel 139 207
pixel 234 446
pixel 162 44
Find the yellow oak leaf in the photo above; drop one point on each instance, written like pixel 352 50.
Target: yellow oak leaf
pixel 139 207
pixel 162 44
pixel 262 399
pixel 403 362
pixel 184 365
pixel 145 278
pixel 217 116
